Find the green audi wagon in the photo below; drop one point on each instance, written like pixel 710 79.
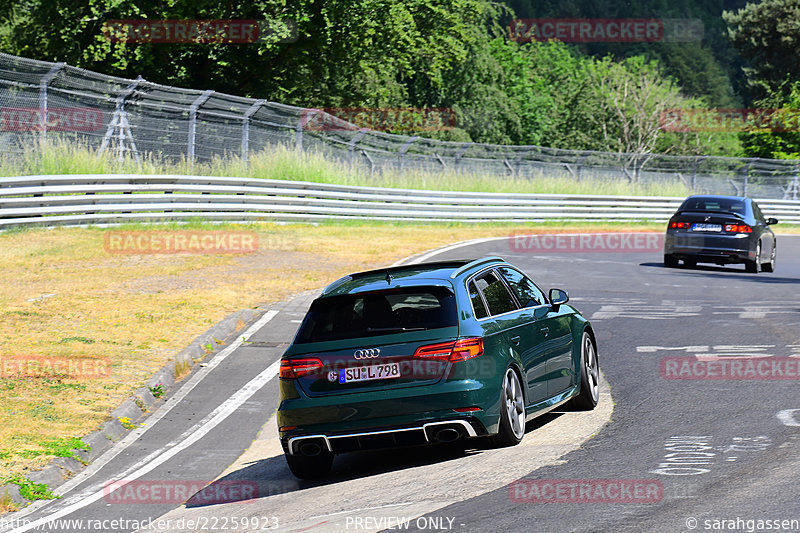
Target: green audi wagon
pixel 430 353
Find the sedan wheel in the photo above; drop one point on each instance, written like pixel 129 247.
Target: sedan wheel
pixel 512 411
pixel 752 266
pixel 770 266
pixel 589 394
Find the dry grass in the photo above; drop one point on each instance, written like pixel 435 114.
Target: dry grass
pixel 139 310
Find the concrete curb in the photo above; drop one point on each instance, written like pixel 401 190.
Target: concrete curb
pixel 134 410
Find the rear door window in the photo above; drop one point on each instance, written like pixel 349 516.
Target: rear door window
pixel 527 293
pixel 477 301
pixel 378 313
pixel 495 293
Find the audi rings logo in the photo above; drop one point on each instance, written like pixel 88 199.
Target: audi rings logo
pixel 367 354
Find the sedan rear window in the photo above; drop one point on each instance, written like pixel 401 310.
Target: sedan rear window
pixel 722 205
pixel 378 313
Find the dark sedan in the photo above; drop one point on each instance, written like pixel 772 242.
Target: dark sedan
pixel 721 230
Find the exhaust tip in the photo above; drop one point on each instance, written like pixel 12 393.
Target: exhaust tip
pixel 310 448
pixel 447 435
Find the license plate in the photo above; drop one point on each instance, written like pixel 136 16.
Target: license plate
pixel 706 227
pixel 369 373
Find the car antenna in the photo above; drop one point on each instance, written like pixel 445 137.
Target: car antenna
pixel 388 277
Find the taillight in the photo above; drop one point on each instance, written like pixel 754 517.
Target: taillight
pixel 738 228
pixel 295 368
pixel 453 351
pixel 679 225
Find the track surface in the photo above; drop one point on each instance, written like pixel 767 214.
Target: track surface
pixel 718 449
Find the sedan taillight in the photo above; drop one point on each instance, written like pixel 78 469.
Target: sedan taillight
pixel 453 351
pixel 679 225
pixel 738 228
pixel 295 368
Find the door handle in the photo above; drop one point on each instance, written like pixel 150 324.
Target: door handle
pixel 515 340
pixel 545 331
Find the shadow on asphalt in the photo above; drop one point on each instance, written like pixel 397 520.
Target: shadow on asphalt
pixel 272 475
pixel 735 273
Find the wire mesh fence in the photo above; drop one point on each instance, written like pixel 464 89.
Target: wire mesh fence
pixel 131 118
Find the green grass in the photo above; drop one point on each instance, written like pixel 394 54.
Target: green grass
pixel 283 163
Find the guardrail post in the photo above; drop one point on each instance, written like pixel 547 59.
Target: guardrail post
pixel 403 149
pixel 43 95
pixel 246 130
pixel 193 123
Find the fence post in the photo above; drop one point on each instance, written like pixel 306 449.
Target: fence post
pixel 246 130
pixel 746 176
pixel 403 149
pixel 351 146
pixel 54 70
pixel 460 154
pixel 193 122
pixel 697 161
pixel 120 120
pixel 306 116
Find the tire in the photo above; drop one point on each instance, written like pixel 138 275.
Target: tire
pixel 670 261
pixel 689 263
pixel 313 467
pixel 752 266
pixel 589 394
pixel 769 266
pixel 512 412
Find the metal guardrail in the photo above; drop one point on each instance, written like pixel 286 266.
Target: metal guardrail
pixel 119 198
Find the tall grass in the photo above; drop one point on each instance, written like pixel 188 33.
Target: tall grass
pixel 282 163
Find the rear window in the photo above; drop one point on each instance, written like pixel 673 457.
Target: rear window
pixel 378 313
pixel 721 205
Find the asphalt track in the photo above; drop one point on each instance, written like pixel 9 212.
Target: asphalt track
pixel 718 454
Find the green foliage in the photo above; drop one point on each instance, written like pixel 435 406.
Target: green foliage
pixel 410 53
pixel 30 490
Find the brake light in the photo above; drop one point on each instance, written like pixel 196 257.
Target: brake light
pixel 679 225
pixel 453 351
pixel 466 409
pixel 295 368
pixel 738 228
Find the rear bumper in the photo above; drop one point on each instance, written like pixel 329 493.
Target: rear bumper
pixel 399 417
pixel 427 433
pixel 709 248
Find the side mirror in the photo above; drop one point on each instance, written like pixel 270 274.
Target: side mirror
pixel 558 297
pixel 771 221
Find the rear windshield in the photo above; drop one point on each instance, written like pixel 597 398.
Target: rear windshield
pixel 722 205
pixel 378 313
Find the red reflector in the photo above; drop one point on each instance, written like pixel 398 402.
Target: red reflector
pixel 295 368
pixel 466 409
pixel 287 428
pixel 460 350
